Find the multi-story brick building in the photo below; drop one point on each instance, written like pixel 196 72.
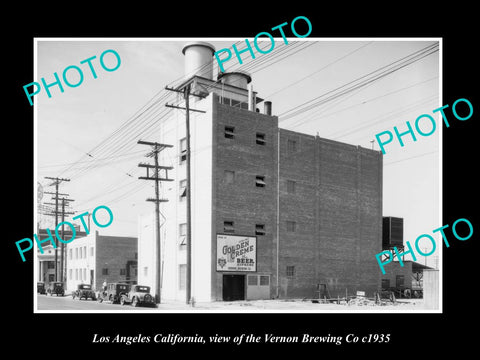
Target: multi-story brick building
pixel 95 258
pixel 301 212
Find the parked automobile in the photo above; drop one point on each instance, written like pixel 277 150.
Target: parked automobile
pixel 84 291
pixel 41 287
pixel 113 292
pixel 138 295
pixel 56 287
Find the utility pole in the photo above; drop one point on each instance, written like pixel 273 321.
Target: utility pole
pixel 156 148
pixel 63 259
pixel 56 182
pixel 186 95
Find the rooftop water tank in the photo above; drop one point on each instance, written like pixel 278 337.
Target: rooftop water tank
pixel 198 59
pixel 239 79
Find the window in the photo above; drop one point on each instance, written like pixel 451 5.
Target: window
pixel 70 254
pixel 291 146
pixel 260 229
pixel 229 176
pixel 260 140
pixel 51 264
pixel 76 274
pixel 85 274
pixel 123 271
pixel 400 281
pixel 136 255
pixel 145 271
pixel 183 189
pixel 385 284
pixel 229 132
pixel 70 274
pixel 76 253
pixel 183 150
pixel 228 227
pixel 84 252
pixel 291 226
pixel 260 181
pixel 290 271
pixel 264 280
pixel 182 276
pixel 91 251
pixel 104 271
pixel 290 186
pixel 182 231
pixel 252 280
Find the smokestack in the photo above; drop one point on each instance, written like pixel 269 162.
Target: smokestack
pixel 199 59
pixel 267 107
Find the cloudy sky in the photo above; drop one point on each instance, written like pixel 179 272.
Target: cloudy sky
pixel 325 86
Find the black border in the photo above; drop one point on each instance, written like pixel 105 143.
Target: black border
pixel 411 334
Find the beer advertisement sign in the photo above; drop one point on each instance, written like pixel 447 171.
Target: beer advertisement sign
pixel 236 253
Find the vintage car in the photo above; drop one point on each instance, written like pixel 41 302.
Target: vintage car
pixel 56 287
pixel 84 291
pixel 41 287
pixel 138 295
pixel 113 292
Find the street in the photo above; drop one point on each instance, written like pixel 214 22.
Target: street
pixel 45 302
pixel 66 303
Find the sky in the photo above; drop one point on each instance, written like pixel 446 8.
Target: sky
pixel 89 133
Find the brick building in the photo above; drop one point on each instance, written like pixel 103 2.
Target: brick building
pixel 298 210
pixel 95 258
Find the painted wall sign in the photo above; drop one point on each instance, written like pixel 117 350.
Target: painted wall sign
pixel 236 253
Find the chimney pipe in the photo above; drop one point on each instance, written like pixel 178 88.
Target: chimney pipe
pixel 267 107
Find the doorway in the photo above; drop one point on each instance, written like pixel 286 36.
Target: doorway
pixel 233 287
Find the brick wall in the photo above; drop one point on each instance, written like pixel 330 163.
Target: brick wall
pixel 336 205
pixel 113 252
pixel 241 201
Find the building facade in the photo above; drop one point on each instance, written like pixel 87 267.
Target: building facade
pixel 275 213
pixel 96 258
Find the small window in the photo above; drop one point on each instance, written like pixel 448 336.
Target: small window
pixel 291 226
pixel 290 186
pixel 84 252
pixel 290 271
pixel 51 264
pixel 182 274
pixel 145 271
pixel 183 189
pixel 105 271
pixel 70 254
pixel 91 251
pixel 182 232
pixel 400 281
pixel 183 150
pixel 182 229
pixel 228 227
pixel 229 176
pixel 252 280
pixel 230 132
pixel 260 140
pixel 291 146
pixel 76 253
pixel 76 274
pixel 260 181
pixel 123 271
pixel 264 280
pixel 260 229
pixel 70 272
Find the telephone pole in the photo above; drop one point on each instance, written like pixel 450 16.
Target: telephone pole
pixel 186 95
pixel 56 182
pixel 156 148
pixel 63 258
